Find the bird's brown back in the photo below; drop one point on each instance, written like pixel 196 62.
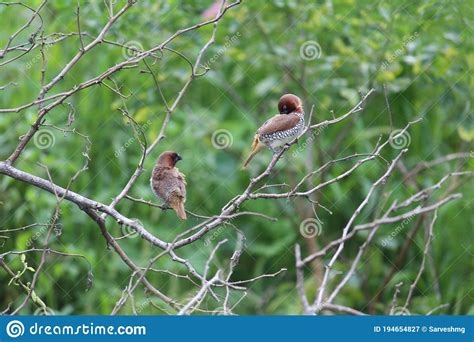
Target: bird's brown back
pixel 166 181
pixel 278 123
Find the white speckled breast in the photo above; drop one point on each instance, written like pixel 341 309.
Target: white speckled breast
pixel 278 139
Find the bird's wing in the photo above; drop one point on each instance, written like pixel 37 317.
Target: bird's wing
pixel 177 195
pixel 181 180
pixel 176 201
pixel 176 186
pixel 180 176
pixel 280 122
pixel 167 183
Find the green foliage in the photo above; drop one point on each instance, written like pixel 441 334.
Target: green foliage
pixel 421 51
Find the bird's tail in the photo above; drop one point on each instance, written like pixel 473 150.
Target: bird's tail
pixel 257 146
pixel 178 206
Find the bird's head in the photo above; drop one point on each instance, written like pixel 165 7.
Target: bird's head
pixel 290 103
pixel 168 159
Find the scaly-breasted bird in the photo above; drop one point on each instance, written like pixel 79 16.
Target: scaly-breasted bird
pixel 281 129
pixel 168 183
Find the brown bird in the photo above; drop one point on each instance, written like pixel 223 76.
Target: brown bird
pixel 168 183
pixel 281 129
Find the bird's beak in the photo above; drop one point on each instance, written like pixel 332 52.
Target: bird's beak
pixel 178 157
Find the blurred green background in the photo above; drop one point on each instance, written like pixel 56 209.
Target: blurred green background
pixel 420 52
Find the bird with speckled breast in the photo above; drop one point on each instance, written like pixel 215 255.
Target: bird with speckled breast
pixel 168 183
pixel 281 129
